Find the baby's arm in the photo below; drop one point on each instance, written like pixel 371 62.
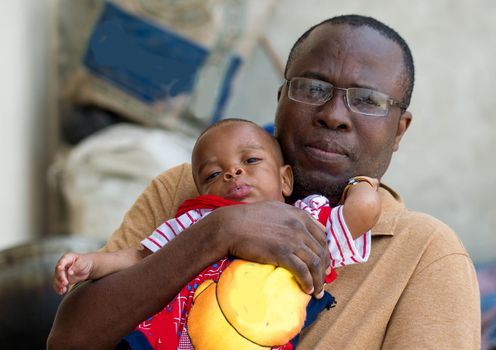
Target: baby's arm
pixel 361 205
pixel 73 267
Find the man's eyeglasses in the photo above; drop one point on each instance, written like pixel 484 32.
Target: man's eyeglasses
pixel 359 100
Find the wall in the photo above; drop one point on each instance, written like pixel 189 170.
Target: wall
pixel 23 135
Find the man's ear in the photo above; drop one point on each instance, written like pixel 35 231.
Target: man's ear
pixel 404 123
pixel 279 91
pixel 286 180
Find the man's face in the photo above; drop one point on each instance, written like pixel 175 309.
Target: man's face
pixel 240 162
pixel 328 144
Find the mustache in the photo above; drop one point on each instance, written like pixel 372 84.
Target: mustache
pixel 332 145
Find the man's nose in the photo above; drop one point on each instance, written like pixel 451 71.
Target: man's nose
pixel 233 173
pixel 334 114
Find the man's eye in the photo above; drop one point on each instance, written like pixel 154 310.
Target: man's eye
pixel 367 101
pixel 213 175
pixel 316 88
pixel 252 160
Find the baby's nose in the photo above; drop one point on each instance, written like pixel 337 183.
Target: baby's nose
pixel 235 172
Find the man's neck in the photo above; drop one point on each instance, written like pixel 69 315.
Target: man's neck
pixel 332 194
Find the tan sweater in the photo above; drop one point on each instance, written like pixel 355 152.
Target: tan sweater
pixel 417 291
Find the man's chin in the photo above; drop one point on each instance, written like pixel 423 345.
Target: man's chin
pixel 318 182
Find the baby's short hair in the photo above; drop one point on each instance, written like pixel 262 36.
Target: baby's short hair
pixel 275 143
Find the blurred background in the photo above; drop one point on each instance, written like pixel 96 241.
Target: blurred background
pixel 85 129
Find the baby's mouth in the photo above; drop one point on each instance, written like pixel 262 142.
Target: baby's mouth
pixel 238 191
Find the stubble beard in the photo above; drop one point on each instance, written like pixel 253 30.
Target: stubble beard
pixel 304 186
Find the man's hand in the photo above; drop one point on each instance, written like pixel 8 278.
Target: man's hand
pixel 279 234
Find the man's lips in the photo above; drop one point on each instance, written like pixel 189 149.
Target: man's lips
pixel 326 152
pixel 238 191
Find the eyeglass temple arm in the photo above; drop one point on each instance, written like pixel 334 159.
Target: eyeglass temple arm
pixel 402 105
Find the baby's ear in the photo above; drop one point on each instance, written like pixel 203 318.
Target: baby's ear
pixel 286 180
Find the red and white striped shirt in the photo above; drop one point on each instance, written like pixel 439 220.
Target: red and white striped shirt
pixel 343 249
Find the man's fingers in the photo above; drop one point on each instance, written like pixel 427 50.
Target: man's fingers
pixel 317 242
pixel 322 227
pixel 317 230
pixel 315 267
pixel 311 256
pixel 318 256
pixel 301 273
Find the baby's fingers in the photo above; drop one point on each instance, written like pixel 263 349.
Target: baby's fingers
pixel 66 260
pixel 60 283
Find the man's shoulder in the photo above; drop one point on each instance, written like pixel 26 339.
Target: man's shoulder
pixel 422 223
pixel 179 173
pixel 421 245
pixel 418 231
pixel 435 237
pixel 175 185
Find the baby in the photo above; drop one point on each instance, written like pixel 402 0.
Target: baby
pixel 235 161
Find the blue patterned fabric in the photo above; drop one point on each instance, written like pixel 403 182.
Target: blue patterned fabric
pixel 314 308
pixel 486 275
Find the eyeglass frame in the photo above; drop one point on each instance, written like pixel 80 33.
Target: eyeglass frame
pixel 391 102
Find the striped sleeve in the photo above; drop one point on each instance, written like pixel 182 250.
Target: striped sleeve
pixel 343 249
pixel 171 228
pixel 312 204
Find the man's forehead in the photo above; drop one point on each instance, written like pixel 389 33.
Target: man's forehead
pixel 359 55
pixel 339 40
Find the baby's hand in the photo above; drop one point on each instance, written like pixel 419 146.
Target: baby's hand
pixel 71 268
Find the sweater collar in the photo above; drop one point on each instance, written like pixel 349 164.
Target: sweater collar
pixel 392 206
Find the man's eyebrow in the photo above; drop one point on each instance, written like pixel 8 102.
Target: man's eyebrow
pixel 314 75
pixel 322 77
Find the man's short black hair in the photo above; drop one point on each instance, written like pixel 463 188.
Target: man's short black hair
pixel 386 31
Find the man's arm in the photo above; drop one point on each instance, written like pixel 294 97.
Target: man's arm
pixel 98 314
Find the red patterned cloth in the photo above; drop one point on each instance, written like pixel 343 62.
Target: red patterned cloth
pixel 167 329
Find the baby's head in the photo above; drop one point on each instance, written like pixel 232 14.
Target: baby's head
pixel 238 160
